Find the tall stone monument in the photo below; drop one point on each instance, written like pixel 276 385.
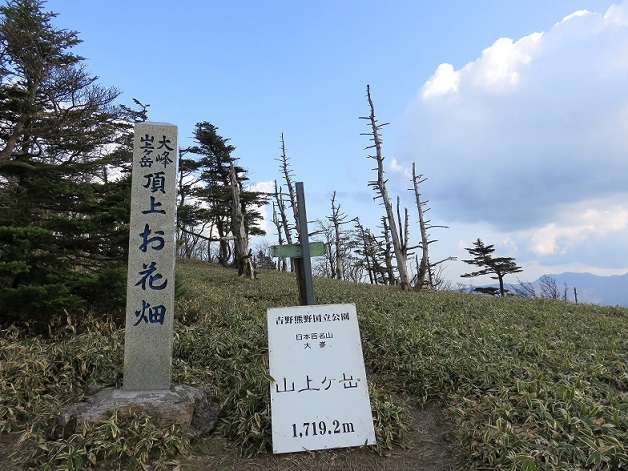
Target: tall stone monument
pixel 150 303
pixel 150 284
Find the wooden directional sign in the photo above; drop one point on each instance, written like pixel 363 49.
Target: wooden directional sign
pixel 294 250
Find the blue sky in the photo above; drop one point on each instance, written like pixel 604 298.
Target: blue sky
pixel 516 111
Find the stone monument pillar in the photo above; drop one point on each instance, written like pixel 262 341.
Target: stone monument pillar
pixel 150 303
pixel 150 284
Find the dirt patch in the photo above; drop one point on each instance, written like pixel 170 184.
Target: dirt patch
pixel 8 442
pixel 426 449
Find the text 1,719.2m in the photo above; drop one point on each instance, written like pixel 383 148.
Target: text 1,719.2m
pixel 321 428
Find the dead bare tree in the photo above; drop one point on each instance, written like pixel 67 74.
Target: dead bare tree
pixel 338 219
pixel 427 273
pixel 369 249
pixel 379 185
pixel 549 289
pixel 389 277
pixel 287 176
pixel 291 199
pixel 423 266
pixel 524 290
pixel 281 265
pixel 280 219
pixel 341 260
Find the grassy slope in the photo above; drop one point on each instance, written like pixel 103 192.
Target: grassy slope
pixel 527 384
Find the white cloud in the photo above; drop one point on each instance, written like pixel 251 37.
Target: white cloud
pixel 264 187
pixel 617 14
pixel 531 140
pixel 500 66
pixel 498 69
pixel 397 167
pixel 445 80
pixel 580 222
pixel 575 14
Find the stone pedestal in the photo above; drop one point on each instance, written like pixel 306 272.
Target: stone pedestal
pixel 182 405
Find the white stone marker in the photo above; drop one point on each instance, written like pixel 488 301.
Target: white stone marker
pixel 320 395
pixel 150 283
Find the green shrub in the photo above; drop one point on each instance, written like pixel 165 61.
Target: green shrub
pixel 124 441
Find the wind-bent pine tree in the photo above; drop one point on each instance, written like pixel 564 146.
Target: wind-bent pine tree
pixel 192 218
pixel 497 267
pixel 215 190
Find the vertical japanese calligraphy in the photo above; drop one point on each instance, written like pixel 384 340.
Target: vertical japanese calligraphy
pixel 150 285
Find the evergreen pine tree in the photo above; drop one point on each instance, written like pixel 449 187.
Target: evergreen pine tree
pixel 498 267
pixel 64 201
pixel 215 191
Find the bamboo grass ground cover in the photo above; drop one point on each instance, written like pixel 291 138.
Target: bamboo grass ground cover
pixel 525 384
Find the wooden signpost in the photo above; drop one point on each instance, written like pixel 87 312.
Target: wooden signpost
pixel 302 252
pixel 294 250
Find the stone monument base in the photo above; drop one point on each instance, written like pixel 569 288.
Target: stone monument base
pixel 182 405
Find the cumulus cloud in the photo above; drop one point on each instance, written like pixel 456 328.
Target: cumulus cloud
pixel 617 14
pixel 445 80
pixel 580 222
pixel 529 126
pixel 532 135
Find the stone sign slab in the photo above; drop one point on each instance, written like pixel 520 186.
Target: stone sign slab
pixel 150 284
pixel 319 397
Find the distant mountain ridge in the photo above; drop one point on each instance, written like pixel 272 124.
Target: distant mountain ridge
pixel 595 289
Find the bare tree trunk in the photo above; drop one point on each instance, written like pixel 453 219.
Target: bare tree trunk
pixel 366 251
pixel 337 219
pixel 282 221
pixel 281 265
pixel 285 168
pixel 224 248
pixel 241 240
pixel 380 187
pixel 424 265
pixel 390 269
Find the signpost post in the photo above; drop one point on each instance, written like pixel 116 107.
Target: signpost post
pixel 304 279
pixel 302 252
